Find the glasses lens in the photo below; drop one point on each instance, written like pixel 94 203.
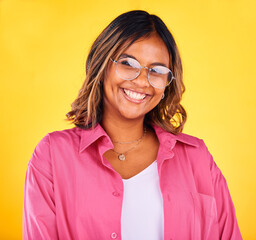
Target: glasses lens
pixel 127 68
pixel 160 76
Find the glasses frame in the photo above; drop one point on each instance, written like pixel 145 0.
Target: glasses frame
pixel 149 69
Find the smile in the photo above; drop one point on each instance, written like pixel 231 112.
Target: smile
pixel 134 95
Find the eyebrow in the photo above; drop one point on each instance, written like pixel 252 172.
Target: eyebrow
pixel 124 55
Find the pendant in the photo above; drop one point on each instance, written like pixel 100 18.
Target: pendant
pixel 121 157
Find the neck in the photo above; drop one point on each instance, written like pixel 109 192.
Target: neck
pixel 122 130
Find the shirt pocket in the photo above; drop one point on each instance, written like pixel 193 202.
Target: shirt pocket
pixel 205 217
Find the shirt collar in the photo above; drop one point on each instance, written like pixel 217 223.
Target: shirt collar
pixel 164 136
pixel 89 136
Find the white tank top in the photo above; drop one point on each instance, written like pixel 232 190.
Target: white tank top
pixel 142 210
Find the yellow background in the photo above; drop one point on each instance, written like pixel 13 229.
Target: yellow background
pixel 43 48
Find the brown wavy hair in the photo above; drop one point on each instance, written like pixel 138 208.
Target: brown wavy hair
pixel 86 110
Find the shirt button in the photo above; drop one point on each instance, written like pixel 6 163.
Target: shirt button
pixel 116 194
pixel 113 235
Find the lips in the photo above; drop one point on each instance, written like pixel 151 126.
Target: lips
pixel 134 95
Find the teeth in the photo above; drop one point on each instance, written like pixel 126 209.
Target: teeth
pixel 134 95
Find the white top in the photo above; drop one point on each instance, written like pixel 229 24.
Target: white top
pixel 142 210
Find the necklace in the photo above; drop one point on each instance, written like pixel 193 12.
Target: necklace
pixel 121 156
pixel 137 140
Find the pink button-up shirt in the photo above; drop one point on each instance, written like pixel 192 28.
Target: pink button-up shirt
pixel 73 192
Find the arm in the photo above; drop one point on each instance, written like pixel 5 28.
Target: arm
pixel 38 206
pixel 227 222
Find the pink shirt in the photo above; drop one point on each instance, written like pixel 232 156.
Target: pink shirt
pixel 72 191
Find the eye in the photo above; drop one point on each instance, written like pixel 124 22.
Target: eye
pixel 154 70
pixel 128 63
pixel 125 63
pixel 160 70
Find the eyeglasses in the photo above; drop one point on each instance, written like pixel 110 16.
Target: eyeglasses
pixel 128 69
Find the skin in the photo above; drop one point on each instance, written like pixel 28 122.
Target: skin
pixel 123 117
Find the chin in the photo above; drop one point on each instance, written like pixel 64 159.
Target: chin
pixel 132 115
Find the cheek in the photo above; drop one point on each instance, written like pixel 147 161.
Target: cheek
pixel 108 81
pixel 110 88
pixel 157 98
pixel 111 79
pixel 159 94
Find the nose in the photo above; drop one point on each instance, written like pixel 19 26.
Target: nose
pixel 142 79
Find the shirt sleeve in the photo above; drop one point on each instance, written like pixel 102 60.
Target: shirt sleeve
pixel 227 222
pixel 39 220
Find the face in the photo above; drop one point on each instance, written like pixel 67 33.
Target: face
pixel 132 99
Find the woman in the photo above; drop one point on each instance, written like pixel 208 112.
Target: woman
pixel 126 171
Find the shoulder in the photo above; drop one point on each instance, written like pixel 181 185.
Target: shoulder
pixel 199 155
pixel 67 140
pixel 188 147
pixel 193 144
pixel 180 139
pixel 195 147
pixel 64 134
pixel 203 167
pixel 55 144
pixel 189 140
pixel 58 139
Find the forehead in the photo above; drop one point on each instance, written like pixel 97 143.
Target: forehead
pixel 148 50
